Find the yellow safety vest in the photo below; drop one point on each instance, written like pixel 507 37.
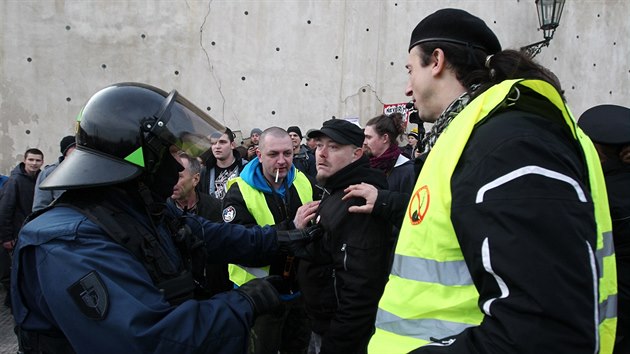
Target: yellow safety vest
pixel 257 206
pixel 430 292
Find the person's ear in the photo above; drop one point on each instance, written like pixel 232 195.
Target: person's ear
pixel 195 179
pixel 356 154
pixel 438 61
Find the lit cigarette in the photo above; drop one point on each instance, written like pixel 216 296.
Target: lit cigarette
pixel 277 171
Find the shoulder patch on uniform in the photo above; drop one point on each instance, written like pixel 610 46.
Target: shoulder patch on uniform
pixel 229 214
pixel 90 295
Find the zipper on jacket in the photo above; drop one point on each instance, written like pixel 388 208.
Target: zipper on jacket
pixel 334 276
pixel 345 256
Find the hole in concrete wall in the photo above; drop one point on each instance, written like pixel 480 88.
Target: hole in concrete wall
pixel 309 22
pixel 391 63
pixel 246 13
pixel 27 132
pixel 68 99
pixel 555 58
pixel 578 36
pixel 143 36
pixel 395 4
pixel 610 92
pixel 29 59
pixel 68 28
pixel 213 43
pixel 208 108
pixel 273 113
pixel 597 15
pixel 367 30
pixel 103 66
pixel 336 57
pixel 306 84
pixel 363 90
pixel 243 78
pixel 277 49
pixel 572 87
pixel 594 65
pixel 176 72
pixel 495 22
pixel 614 43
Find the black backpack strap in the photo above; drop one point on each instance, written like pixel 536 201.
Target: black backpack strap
pixel 140 241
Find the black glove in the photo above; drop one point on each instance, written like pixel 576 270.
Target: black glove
pixel 262 294
pixel 294 242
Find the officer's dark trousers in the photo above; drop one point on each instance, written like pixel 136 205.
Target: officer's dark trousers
pixel 288 332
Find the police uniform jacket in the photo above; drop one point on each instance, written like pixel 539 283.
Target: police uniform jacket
pixel 70 278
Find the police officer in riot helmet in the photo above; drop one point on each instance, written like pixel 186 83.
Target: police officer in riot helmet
pixel 108 269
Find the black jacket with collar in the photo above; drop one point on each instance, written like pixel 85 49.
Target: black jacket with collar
pixel 16 202
pixel 206 177
pixel 343 281
pixel 534 231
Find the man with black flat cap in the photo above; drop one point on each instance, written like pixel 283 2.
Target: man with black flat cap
pixel 505 245
pixel 347 271
pixel 609 127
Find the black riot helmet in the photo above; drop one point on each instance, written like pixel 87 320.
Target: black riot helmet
pixel 128 130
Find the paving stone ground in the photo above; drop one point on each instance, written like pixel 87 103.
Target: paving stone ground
pixel 8 341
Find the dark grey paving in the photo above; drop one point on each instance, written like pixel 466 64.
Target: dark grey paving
pixel 8 341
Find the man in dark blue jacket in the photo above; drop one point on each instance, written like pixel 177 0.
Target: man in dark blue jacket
pixel 15 205
pixel 109 269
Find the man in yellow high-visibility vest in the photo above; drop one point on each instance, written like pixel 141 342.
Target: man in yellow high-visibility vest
pixel 269 191
pixel 505 245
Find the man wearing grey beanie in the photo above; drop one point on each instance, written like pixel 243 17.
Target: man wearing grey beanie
pixel 254 138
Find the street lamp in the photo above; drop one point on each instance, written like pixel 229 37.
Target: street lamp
pixel 549 13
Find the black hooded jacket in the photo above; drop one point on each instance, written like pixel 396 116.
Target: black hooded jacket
pixel 343 281
pixel 207 176
pixel 16 202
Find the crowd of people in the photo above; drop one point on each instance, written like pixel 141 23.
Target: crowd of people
pixel 502 229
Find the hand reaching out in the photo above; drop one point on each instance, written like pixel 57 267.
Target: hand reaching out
pixel 365 191
pixel 305 214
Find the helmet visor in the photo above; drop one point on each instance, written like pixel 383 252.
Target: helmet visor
pixel 181 123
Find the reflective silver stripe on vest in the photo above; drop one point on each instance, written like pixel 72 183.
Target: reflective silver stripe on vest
pixel 257 272
pixel 608 308
pixel 447 273
pixel 606 251
pixel 418 328
pixel 596 312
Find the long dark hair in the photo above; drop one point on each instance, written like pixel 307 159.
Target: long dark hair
pixel 392 125
pixel 470 67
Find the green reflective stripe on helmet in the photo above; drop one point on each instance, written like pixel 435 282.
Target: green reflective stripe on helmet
pixel 136 157
pixel 80 115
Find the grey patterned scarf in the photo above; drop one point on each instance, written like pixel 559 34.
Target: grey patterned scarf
pixel 445 119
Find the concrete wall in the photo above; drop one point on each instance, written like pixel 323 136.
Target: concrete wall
pixel 257 63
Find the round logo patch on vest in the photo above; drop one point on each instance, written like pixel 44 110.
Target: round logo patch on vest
pixel 418 205
pixel 229 214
